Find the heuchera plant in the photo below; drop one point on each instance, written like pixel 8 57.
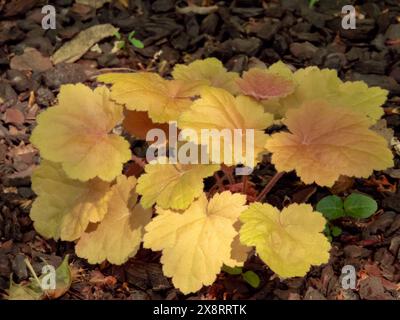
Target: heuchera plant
pixel 84 196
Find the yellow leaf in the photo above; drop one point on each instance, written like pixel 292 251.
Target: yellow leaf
pixel 118 236
pixel 211 70
pixel 64 207
pixel 313 83
pixel 76 133
pixel 164 100
pixel 177 184
pixel 196 243
pixel 325 142
pixel 218 109
pixel 289 242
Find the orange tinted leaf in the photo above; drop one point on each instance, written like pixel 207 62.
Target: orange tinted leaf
pixel 263 84
pixel 325 142
pixel 138 123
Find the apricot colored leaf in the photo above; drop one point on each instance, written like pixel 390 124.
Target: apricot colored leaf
pixel 64 207
pixel 76 133
pixel 218 109
pixel 211 70
pixel 138 124
pixel 164 100
pixel 325 142
pixel 313 83
pixel 290 241
pixel 177 184
pixel 262 84
pixel 197 242
pixel 118 236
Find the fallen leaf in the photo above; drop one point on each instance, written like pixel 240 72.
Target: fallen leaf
pixel 13 116
pixel 79 45
pixel 31 60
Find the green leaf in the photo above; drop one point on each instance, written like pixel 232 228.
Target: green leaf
pixel 311 3
pixel 118 35
pixel 360 206
pixel 336 231
pixel 327 230
pixel 331 207
pixel 232 271
pixel 121 44
pixel 137 43
pixel 251 278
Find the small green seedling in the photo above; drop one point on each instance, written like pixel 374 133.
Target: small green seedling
pixel 311 3
pixel 249 276
pixel 135 42
pixel 131 38
pixel 355 205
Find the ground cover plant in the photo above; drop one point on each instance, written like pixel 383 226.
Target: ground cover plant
pixel 84 196
pixel 297 102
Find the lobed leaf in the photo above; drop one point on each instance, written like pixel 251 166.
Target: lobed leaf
pixel 218 109
pixel 164 100
pixel 65 207
pixel 76 133
pixel 313 83
pixel 197 242
pixel 325 142
pixel 290 241
pixel 118 236
pixel 210 70
pixel 261 84
pixel 177 184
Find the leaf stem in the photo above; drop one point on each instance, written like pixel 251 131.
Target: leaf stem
pixel 228 173
pixel 138 161
pixel 28 264
pixel 271 183
pixel 218 182
pixel 244 181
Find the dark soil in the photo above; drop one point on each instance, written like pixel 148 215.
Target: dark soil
pixel 241 33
